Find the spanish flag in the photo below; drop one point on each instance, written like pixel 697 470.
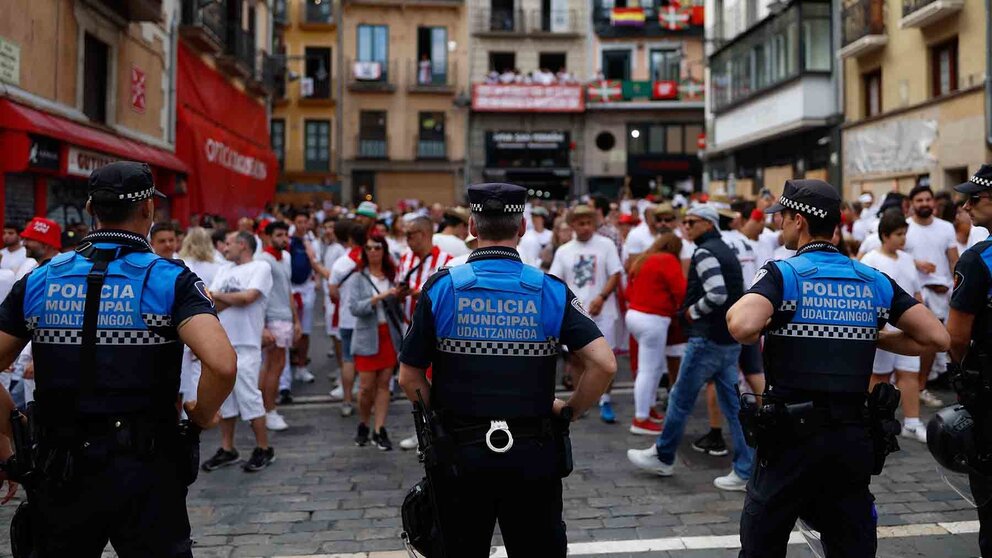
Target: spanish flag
pixel 629 17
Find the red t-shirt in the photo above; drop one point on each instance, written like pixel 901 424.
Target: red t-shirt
pixel 658 287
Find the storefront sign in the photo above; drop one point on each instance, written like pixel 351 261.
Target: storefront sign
pixel 82 162
pixel 529 140
pixel 527 98
pixel 246 165
pixel 44 154
pixel 10 62
pixel 137 90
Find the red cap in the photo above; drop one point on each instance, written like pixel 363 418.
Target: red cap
pixel 260 229
pixel 757 215
pixel 44 231
pixel 628 219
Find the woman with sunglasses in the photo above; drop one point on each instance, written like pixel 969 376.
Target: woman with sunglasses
pixel 375 303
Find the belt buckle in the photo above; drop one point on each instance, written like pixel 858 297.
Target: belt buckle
pixel 496 426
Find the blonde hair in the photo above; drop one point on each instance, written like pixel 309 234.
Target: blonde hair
pixel 197 245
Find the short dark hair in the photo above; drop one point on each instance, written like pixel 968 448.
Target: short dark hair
pixel 818 228
pixel 161 227
pixel 358 233
pixel 919 190
pixel 9 225
pixel 601 204
pixel 247 238
pixel 342 230
pixel 115 213
pixel 271 227
pixel 450 220
pixel 891 221
pixel 300 212
pixel 497 226
pixel 219 235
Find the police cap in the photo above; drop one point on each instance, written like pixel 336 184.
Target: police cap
pixel 980 182
pixel 813 198
pixel 497 198
pixel 121 182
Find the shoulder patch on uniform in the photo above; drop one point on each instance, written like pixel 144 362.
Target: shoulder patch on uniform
pixel 201 288
pixel 958 279
pixel 577 304
pixel 759 276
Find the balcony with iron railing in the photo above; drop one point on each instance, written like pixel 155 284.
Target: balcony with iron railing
pixel 425 78
pixel 319 91
pixel 238 57
pixel 372 76
pixel 863 28
pixel 651 19
pixel 371 147
pixel 921 13
pixel 553 23
pixel 434 149
pixel 267 69
pixel 205 26
pixel 316 14
pixel 498 23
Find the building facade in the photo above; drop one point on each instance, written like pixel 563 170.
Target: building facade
pixel 529 59
pixel 773 95
pixel 644 108
pixel 104 95
pixel 305 108
pixel 405 70
pixel 915 93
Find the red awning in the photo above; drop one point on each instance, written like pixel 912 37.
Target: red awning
pixel 15 116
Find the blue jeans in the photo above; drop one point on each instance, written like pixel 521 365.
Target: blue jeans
pixel 705 360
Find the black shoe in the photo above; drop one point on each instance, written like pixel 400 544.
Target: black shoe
pixel 222 458
pixel 712 443
pixel 381 440
pixel 260 459
pixel 362 438
pixel 285 397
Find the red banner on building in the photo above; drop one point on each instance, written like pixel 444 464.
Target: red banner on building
pixel 527 98
pixel 665 90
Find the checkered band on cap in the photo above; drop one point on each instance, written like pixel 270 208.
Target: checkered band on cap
pixel 498 348
pixel 104 337
pixel 981 181
pixel 802 207
pixel 823 331
pixel 140 195
pixel 509 208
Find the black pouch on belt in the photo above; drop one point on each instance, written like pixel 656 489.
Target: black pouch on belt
pixel 561 425
pixel 22 532
pixel 882 404
pixel 189 452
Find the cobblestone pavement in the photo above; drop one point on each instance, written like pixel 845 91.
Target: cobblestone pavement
pixel 324 496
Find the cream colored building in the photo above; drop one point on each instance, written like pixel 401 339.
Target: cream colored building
pixel 914 94
pixel 405 69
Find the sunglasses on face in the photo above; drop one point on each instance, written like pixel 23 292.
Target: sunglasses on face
pixel 975 199
pixel 691 222
pixel 667 219
pixel 373 247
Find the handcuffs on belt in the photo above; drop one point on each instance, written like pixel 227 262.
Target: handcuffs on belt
pixel 496 426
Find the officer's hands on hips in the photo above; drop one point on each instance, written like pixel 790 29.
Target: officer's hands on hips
pixel 194 414
pixel 558 405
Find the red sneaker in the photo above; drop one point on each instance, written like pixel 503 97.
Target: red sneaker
pixel 645 427
pixel 656 417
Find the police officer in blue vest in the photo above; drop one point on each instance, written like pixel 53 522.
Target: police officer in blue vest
pixel 492 330
pixel 822 315
pixel 108 322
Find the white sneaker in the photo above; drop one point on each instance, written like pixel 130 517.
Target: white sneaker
pixel 647 459
pixel 347 409
pixel 337 394
pixel 930 400
pixel 732 482
pixel 918 433
pixel 301 374
pixel 409 443
pixel 275 422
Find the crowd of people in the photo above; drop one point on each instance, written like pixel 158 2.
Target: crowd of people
pixel 541 76
pixel 632 263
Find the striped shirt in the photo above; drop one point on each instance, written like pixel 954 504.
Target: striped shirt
pixel 715 289
pixel 416 276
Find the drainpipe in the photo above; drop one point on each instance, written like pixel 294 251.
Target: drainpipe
pixel 339 107
pixel 988 73
pixel 170 126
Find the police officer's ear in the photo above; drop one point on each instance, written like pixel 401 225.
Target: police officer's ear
pixel 473 229
pixel 522 228
pixel 89 209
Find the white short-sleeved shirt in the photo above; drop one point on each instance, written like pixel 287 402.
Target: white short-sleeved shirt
pixel 13 259
pixel 244 324
pixel 639 240
pixel 585 267
pixel 930 244
pixel 745 254
pixel 975 235
pixel 451 244
pixel 901 269
pixel 341 269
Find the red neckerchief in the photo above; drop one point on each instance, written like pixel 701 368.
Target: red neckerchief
pixel 356 254
pixel 277 254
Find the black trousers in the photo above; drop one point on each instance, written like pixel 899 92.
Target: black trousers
pixel 137 505
pixel 822 478
pixel 981 489
pixel 521 490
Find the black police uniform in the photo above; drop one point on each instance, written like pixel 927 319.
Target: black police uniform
pixel 973 295
pixel 491 330
pixel 109 450
pixel 818 349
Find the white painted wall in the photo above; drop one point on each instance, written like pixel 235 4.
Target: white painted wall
pixel 809 98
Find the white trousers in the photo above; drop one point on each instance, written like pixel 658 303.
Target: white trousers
pixel 651 332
